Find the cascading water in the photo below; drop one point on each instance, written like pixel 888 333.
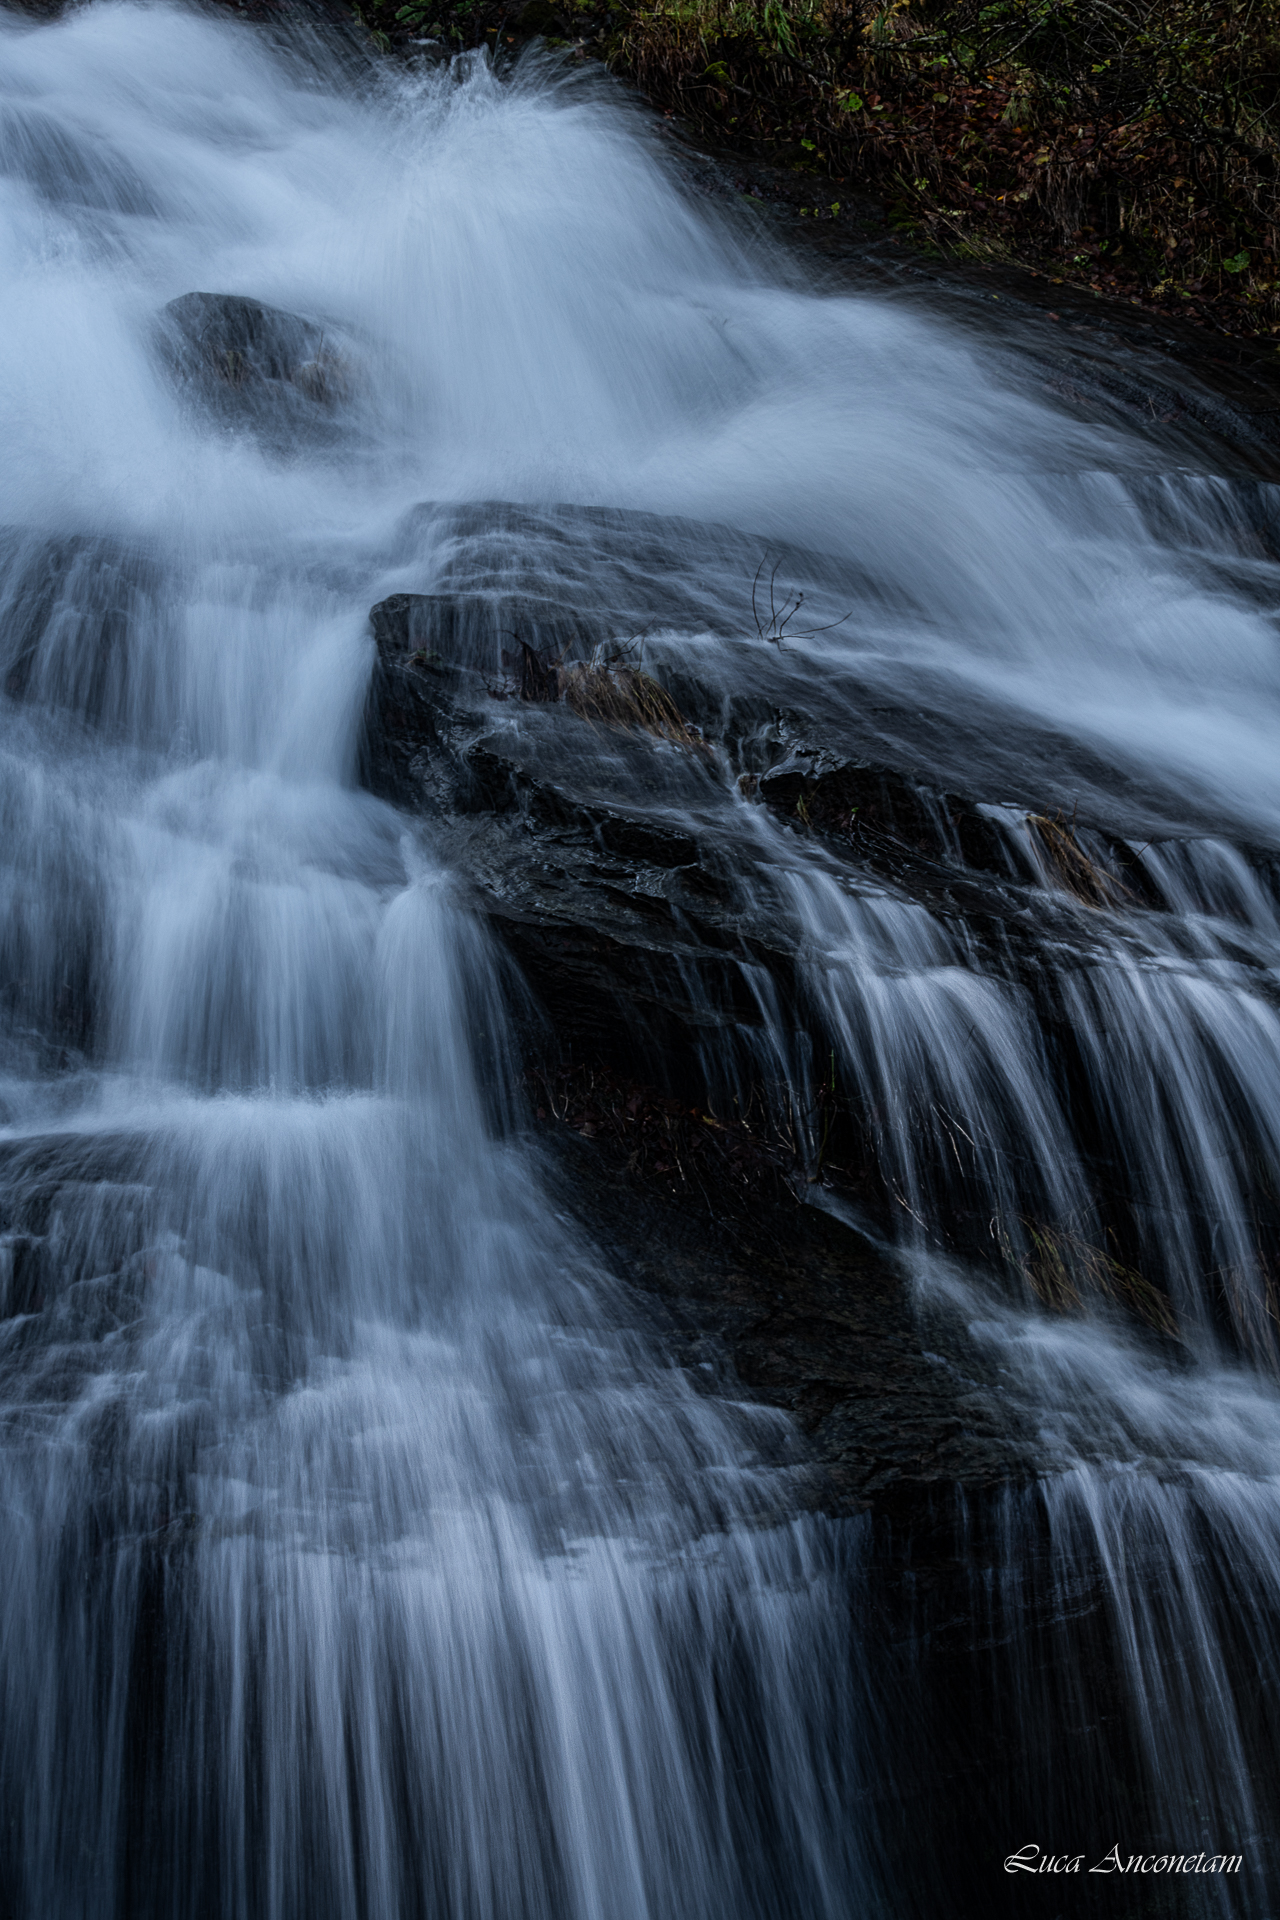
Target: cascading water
pixel 364 1553
pixel 360 1560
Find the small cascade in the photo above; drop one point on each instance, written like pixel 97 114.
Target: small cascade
pixel 410 501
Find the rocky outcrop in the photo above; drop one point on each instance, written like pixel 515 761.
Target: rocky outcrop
pixel 757 1289
pixel 630 879
pixel 631 940
pixel 610 864
pixel 618 868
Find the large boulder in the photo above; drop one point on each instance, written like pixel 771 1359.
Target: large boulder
pixel 251 366
pixel 648 908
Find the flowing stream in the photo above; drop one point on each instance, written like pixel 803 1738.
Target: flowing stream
pixel 364 1552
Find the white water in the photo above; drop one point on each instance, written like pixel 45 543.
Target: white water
pixel 363 1557
pixel 360 1560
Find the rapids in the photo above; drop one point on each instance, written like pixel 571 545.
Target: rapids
pixel 364 1551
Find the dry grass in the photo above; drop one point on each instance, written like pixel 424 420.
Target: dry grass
pixel 1071 866
pixel 619 695
pixel 609 689
pixel 1065 1271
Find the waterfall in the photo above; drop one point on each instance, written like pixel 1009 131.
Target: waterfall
pixel 366 1552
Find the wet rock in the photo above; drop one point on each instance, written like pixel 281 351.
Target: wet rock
pixel 86 1289
pixel 477 629
pixel 616 869
pixel 678 591
pixel 253 366
pixel 564 581
pixel 36 149
pixel 631 885
pixel 877 807
pixel 808 1315
pixel 627 936
pixel 594 854
pixel 74 612
pixel 22 1273
pixel 935 844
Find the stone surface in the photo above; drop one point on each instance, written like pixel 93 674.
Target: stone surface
pixel 624 877
pixel 599 857
pixel 765 1292
pixel 254 367
pixel 74 609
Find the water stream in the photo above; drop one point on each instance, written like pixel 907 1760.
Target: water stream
pixel 365 1553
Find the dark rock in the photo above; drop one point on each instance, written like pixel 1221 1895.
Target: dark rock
pixel 596 856
pixel 35 148
pixel 582 845
pixel 78 1286
pixel 807 1315
pixel 562 576
pixel 635 893
pixel 621 953
pixel 877 806
pixel 252 366
pixel 476 629
pixel 618 871
pixel 22 1264
pixel 632 573
pixel 73 612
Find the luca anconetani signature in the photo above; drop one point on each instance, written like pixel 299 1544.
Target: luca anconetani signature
pixel 1033 1859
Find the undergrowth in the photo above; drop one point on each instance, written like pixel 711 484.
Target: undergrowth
pixel 1132 146
pixel 1128 146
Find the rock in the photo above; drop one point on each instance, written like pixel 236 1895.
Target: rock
pixel 625 574
pixel 810 1316
pixel 629 880
pixel 625 934
pixel 36 148
pixel 476 629
pixel 252 366
pixel 22 1268
pixel 616 869
pixel 73 612
pixel 877 807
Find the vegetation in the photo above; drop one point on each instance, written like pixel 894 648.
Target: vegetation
pixel 1130 146
pixel 1072 867
pixel 609 689
pixel 1065 1271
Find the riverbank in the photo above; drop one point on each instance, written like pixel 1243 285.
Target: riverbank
pixel 1125 151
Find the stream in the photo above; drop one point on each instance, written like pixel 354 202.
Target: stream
pixel 367 1549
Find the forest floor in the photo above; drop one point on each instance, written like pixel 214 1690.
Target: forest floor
pixel 1126 148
